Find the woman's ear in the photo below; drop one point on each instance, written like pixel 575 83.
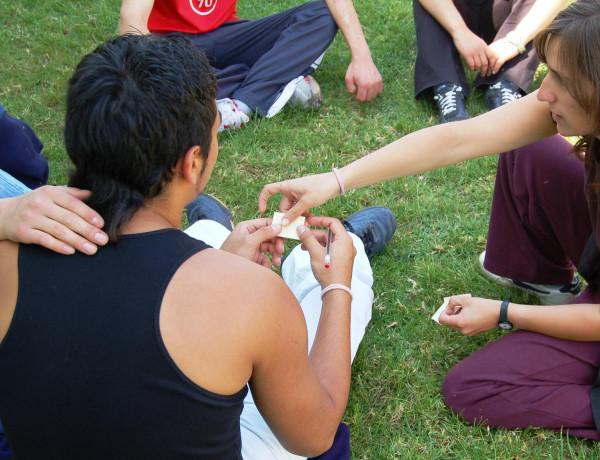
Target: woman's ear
pixel 192 164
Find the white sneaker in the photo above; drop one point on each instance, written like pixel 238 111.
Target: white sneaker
pixel 301 92
pixel 283 98
pixel 549 294
pixel 307 95
pixel 231 116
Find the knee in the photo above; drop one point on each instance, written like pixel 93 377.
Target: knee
pixel 454 389
pixel 464 394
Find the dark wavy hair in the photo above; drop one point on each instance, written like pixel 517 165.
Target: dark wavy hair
pixel 578 27
pixel 135 105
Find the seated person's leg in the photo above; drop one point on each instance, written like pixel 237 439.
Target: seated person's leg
pixel 537 230
pixel 527 379
pixel 10 187
pixel 438 69
pixel 20 152
pixel 515 77
pixel 283 47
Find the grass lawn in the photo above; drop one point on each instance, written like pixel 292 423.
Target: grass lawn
pixel 396 408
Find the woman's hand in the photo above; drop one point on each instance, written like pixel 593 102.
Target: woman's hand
pixel 54 217
pixel 500 52
pixel 252 238
pixel 299 195
pixel 471 315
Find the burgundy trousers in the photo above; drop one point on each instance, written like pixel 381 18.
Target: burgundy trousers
pixel 538 227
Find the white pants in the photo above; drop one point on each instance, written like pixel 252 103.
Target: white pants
pixel 258 442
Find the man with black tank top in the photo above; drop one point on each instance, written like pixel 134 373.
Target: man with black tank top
pixel 146 349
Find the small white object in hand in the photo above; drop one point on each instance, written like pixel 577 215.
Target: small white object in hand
pixel 436 315
pixel 289 231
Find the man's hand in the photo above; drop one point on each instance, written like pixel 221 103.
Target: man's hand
pixel 253 238
pixel 342 250
pixel 473 49
pixel 54 217
pixel 364 80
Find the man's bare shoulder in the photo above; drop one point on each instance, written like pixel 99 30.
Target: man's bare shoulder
pixel 9 281
pixel 229 268
pixel 9 251
pixel 219 315
pixel 232 280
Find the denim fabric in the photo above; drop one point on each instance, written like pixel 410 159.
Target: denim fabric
pixel 10 187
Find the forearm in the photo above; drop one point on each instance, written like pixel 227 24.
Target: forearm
pixel 409 155
pixel 571 322
pixel 446 14
pixel 330 353
pixel 346 18
pixel 542 12
pixel 526 120
pixel 134 16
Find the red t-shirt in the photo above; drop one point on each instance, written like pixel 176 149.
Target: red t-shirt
pixel 190 16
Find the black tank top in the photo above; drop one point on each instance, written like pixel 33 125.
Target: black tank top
pixel 84 373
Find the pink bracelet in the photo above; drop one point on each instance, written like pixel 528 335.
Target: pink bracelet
pixel 333 286
pixel 338 176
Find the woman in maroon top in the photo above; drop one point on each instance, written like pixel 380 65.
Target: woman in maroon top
pixel 540 230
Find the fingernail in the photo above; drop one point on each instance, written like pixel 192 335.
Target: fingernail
pixel 101 238
pixel 285 221
pixel 89 248
pixel 97 222
pixel 68 250
pixel 301 229
pixel 276 227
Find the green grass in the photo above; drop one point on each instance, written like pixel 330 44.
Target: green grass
pixel 396 408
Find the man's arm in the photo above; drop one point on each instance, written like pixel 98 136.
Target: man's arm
pixel 470 46
pixel 303 398
pixel 54 217
pixel 226 321
pixel 362 77
pixel 542 12
pixel 134 16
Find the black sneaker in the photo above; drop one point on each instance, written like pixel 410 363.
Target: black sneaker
pixel 375 226
pixel 451 102
pixel 501 93
pixel 208 207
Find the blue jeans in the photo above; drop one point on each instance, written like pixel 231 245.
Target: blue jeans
pixel 9 186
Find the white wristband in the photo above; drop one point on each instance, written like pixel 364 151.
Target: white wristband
pixel 333 286
pixel 338 176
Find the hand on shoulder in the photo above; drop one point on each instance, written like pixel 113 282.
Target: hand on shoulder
pixel 54 217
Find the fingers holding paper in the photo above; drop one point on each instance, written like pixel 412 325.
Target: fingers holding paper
pixel 470 315
pixel 301 194
pixel 252 239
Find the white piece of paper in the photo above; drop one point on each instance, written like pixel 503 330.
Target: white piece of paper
pixel 436 315
pixel 289 231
